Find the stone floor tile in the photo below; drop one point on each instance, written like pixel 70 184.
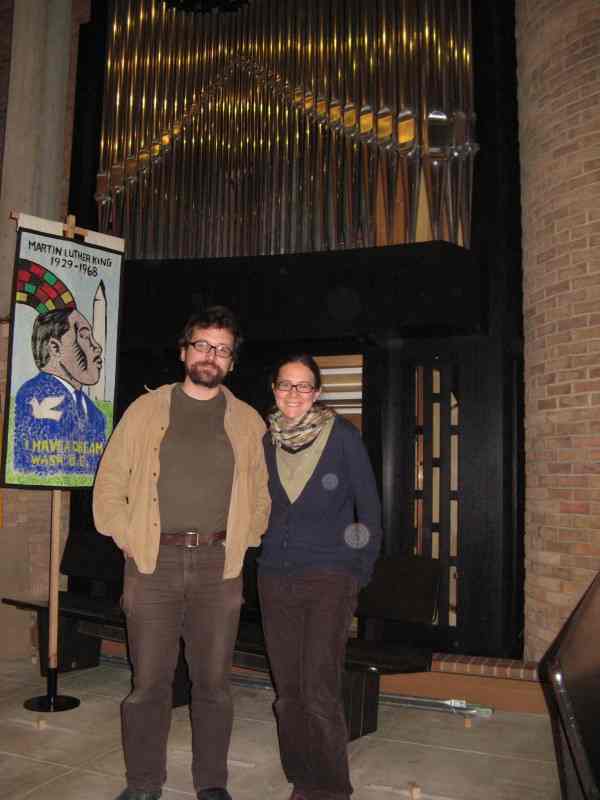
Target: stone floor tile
pixel 19 776
pixel 254 742
pixel 58 740
pixel 526 735
pixel 19 669
pixel 253 703
pixel 78 785
pixel 95 714
pixel 107 679
pixel 10 689
pixel 451 773
pixel 111 762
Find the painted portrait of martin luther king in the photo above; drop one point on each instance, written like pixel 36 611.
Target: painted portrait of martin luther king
pixel 57 426
pixel 61 378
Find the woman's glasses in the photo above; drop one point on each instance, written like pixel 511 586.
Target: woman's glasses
pixel 287 386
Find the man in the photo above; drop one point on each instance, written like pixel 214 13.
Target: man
pixel 58 428
pixel 182 489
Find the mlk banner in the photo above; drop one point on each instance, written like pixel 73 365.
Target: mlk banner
pixel 62 358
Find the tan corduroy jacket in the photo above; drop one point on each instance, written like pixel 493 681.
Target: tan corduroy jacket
pixel 126 489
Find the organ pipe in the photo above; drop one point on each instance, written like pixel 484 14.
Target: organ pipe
pixel 288 126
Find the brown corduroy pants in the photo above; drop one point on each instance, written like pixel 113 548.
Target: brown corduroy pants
pixel 306 619
pixel 185 597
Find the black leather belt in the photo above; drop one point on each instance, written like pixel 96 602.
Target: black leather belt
pixel 192 538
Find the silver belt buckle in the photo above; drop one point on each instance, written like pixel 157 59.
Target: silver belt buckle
pixel 193 533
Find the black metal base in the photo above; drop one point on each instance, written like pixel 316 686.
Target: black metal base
pixel 47 703
pixel 51 701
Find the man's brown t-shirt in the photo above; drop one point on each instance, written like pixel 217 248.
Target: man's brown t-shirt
pixel 196 466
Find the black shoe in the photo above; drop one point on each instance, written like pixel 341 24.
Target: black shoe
pixel 214 793
pixel 127 794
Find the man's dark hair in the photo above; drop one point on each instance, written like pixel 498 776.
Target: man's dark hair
pixel 51 325
pixel 212 317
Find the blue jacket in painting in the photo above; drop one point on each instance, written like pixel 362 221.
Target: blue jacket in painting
pixel 335 523
pixel 56 430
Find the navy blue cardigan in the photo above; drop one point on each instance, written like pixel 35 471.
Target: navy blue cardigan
pixel 335 523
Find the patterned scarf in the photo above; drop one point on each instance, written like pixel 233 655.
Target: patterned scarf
pixel 302 432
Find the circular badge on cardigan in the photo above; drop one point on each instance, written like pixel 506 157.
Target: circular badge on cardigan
pixel 330 481
pixel 357 535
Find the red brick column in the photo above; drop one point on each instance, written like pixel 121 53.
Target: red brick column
pixel 25 514
pixel 558 50
pixel 6 15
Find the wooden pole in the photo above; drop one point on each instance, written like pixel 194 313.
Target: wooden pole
pixel 53 596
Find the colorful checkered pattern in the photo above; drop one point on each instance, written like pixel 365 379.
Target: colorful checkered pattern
pixel 41 289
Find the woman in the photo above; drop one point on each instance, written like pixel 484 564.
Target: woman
pixel 323 537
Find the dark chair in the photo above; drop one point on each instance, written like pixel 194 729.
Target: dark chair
pixel 570 675
pixel 403 589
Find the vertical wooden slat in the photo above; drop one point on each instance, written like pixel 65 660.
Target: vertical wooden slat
pixel 444 522
pixel 427 460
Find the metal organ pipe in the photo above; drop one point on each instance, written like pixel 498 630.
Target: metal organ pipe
pixel 288 126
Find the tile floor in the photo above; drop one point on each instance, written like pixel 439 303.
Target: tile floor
pixel 76 755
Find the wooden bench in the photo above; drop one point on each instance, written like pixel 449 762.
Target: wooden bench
pixel 404 589
pixel 84 623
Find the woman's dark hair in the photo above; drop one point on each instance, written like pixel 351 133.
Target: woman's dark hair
pixel 299 358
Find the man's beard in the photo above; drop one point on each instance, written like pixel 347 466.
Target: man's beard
pixel 198 376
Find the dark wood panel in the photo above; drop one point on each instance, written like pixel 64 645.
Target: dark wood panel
pixel 368 295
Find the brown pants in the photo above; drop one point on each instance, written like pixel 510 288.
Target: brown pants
pixel 305 621
pixel 187 597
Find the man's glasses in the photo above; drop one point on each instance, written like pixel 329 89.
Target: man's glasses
pixel 287 386
pixel 202 346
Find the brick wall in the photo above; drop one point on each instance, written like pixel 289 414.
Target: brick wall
pixel 81 15
pixel 6 15
pixel 25 547
pixel 558 46
pixel 25 514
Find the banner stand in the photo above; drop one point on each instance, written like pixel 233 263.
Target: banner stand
pixel 61 380
pixel 52 701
